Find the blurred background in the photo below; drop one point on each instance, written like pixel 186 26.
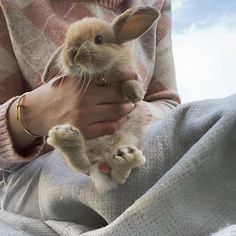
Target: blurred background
pixel 204 47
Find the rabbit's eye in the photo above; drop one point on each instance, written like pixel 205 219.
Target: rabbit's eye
pixel 98 39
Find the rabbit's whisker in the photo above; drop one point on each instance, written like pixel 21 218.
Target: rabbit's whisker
pixel 83 81
pixel 86 87
pixel 53 72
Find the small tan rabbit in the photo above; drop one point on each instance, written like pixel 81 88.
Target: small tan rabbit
pixel 94 48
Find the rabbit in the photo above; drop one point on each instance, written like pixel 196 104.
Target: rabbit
pixel 95 48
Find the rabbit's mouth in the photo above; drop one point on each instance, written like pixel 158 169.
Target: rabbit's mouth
pixel 88 59
pixel 92 63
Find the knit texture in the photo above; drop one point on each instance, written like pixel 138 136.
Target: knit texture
pixel 186 187
pixel 32 30
pixel 6 145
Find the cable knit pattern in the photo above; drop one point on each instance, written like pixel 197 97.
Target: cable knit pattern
pixel 110 4
pixel 31 31
pixel 5 141
pixel 6 145
pixel 186 187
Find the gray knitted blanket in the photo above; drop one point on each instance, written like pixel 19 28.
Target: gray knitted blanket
pixel 186 188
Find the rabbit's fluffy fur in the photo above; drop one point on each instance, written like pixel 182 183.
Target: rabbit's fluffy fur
pixel 95 48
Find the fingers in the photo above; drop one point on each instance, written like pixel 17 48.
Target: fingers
pixel 103 128
pixel 108 90
pixel 116 78
pixel 101 95
pixel 106 112
pixel 111 79
pixel 106 119
pixel 94 91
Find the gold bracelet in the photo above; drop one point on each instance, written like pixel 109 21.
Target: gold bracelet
pixel 20 106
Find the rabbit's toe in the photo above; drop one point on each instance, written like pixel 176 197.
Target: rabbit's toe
pixel 63 134
pixel 135 95
pixel 133 91
pixel 129 156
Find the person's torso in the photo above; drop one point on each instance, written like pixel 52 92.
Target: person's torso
pixel 37 28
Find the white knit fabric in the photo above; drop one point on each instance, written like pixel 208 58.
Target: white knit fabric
pixel 186 188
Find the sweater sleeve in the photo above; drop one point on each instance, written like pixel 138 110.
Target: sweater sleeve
pixel 11 85
pixel 161 96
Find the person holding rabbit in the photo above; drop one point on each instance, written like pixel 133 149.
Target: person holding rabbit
pixel 32 33
pixel 49 106
pixel 103 109
pixel 95 79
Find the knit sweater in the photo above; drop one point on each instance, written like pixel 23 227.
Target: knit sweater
pixel 30 31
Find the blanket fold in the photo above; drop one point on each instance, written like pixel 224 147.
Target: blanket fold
pixel 187 187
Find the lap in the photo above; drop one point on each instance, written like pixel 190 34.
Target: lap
pixel 46 188
pixel 55 191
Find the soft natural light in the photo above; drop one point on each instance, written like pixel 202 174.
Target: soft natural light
pixel 204 52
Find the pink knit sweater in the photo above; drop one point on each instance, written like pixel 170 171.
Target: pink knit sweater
pixel 31 30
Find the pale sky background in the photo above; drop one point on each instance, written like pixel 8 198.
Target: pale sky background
pixel 204 47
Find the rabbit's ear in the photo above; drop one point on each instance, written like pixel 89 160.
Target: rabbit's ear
pixel 52 70
pixel 133 23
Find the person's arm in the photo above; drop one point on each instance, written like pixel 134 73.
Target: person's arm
pixel 11 86
pixel 102 110
pixel 162 96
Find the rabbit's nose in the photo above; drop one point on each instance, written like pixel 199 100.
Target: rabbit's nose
pixel 78 56
pixel 73 53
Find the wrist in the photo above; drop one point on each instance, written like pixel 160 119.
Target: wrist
pixel 20 107
pixel 20 138
pixel 39 113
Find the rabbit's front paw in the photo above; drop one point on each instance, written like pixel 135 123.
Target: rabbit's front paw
pixel 128 156
pixel 133 90
pixel 68 140
pixel 63 134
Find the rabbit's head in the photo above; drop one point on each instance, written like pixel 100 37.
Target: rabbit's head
pixel 93 46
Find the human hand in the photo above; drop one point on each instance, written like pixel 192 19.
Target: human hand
pixel 103 109
pixel 100 111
